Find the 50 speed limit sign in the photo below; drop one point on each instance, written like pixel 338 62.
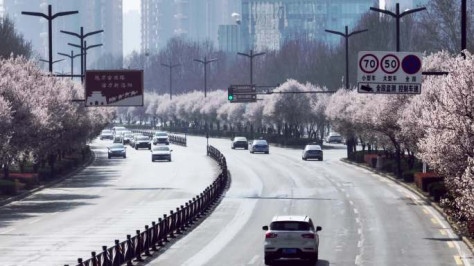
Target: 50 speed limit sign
pixel 389 72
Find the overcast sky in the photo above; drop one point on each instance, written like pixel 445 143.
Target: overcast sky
pixel 130 5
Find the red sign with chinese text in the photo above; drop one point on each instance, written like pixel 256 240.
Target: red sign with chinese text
pixel 114 88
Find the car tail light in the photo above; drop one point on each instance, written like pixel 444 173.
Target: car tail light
pixel 270 235
pixel 311 236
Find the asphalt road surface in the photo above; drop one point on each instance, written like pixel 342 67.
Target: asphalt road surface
pixel 106 201
pixel 366 219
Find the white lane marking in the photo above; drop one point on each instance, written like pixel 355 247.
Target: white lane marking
pixel 357 260
pixel 358 220
pixel 351 202
pixel 359 244
pixel 34 221
pixel 7 231
pixel 343 190
pixel 347 195
pixel 359 231
pixel 254 259
pixel 356 211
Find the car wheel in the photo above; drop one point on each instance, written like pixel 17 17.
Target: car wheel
pixel 304 159
pixel 152 160
pixel 232 147
pixel 136 147
pixel 251 151
pixel 267 152
pixel 109 156
pixel 169 160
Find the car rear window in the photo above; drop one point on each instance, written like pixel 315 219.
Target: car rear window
pixel 143 138
pixel 161 134
pixel 289 226
pixel 261 142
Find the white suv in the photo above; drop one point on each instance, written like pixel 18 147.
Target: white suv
pixel 291 237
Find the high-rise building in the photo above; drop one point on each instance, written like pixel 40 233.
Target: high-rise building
pixel 229 38
pixel 268 24
pixel 93 15
pixel 196 20
pixel 404 4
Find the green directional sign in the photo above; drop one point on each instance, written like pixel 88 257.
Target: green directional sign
pixel 242 94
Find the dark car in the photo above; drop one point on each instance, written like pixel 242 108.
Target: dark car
pixel 240 142
pixel 117 150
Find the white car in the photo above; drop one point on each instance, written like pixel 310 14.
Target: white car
pixel 312 151
pixel 240 142
pixel 291 237
pixel 259 145
pixel 106 134
pixel 161 138
pixel 161 153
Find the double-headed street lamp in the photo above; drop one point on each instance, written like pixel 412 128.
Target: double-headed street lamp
pixel 170 66
pixel 397 17
pixel 84 49
pixel 50 17
pixel 82 36
pixel 71 56
pixel 205 62
pixel 251 56
pixel 346 36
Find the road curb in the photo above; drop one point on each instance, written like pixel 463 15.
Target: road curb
pixel 435 205
pixel 51 183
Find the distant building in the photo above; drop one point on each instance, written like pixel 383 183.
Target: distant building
pixel 268 24
pixel 405 4
pixel 196 20
pixel 229 38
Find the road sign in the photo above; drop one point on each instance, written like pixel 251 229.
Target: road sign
pixel 242 94
pixel 389 72
pixel 114 88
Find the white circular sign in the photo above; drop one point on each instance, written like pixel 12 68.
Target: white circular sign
pixel 390 64
pixel 369 63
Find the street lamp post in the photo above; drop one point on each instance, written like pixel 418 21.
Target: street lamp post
pixel 170 66
pixel 72 56
pixel 205 62
pixel 346 36
pixel 82 38
pixel 84 51
pixel 54 62
pixel 50 17
pixel 463 26
pixel 397 17
pixel 251 56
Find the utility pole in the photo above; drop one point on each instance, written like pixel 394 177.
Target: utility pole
pixel 397 15
pixel 251 56
pixel 72 56
pixel 84 48
pixel 205 62
pixel 82 38
pixel 50 17
pixel 346 36
pixel 463 26
pixel 170 66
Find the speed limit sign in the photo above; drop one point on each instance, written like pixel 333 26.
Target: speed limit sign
pixel 390 64
pixel 389 72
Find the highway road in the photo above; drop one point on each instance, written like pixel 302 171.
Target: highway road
pixel 366 219
pixel 106 201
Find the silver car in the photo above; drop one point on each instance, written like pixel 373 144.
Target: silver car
pixel 117 150
pixel 312 152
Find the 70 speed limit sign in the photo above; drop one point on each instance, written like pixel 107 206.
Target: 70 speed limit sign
pixel 389 72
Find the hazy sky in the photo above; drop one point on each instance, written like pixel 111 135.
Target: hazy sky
pixel 131 26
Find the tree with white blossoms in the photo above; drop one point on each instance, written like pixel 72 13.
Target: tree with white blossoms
pixel 447 121
pixel 42 120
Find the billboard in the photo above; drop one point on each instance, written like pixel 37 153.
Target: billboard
pixel 114 88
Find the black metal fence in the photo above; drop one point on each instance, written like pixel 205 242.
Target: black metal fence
pixel 158 234
pixel 175 139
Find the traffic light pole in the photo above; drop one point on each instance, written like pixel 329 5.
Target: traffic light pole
pixel 251 56
pixel 50 17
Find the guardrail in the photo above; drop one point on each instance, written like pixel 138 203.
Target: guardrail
pixel 157 235
pixel 175 139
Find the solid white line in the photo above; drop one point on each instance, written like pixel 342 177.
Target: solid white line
pixel 254 259
pixel 7 231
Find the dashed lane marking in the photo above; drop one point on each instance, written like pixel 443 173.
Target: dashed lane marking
pixel 426 211
pixel 458 260
pixel 433 220
pixel 34 221
pixel 443 232
pixel 351 202
pixel 356 211
pixel 450 244
pixel 357 260
pixel 254 259
pixel 7 231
